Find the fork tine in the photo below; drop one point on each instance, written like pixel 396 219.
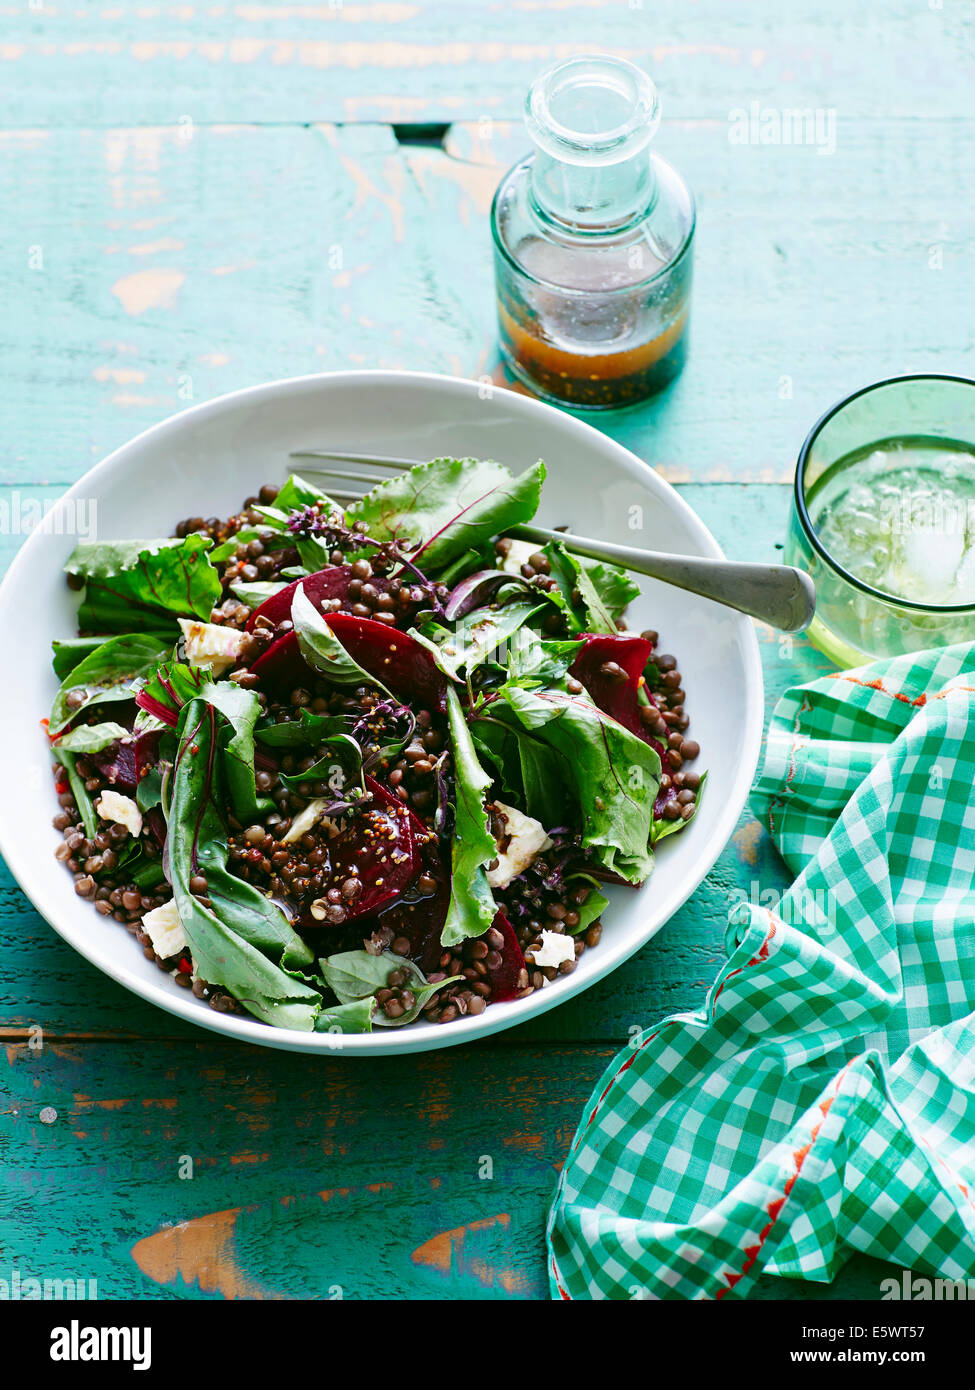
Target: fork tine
pixel 345 496
pixel 384 462
pixel 348 474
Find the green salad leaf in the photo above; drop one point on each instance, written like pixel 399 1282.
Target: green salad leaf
pixel 105 675
pixel 173 684
pixel 256 593
pixel 354 1017
pixel 535 660
pixel 594 906
pixel 306 730
pixel 141 584
pixel 613 774
pixel 354 976
pixel 240 709
pixel 340 767
pixel 576 593
pixel 532 772
pixel 296 494
pixel 91 738
pixel 149 791
pixel 449 507
pixel 481 636
pixel 77 785
pixel 70 653
pixel 472 908
pixel 242 941
pixel 614 587
pixel 322 649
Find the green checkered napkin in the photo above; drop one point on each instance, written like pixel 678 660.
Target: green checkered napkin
pixel 823 1099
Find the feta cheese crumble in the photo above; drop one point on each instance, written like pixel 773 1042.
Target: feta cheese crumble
pixel 121 809
pixel 210 646
pixel 556 948
pixel 165 930
pixel 527 838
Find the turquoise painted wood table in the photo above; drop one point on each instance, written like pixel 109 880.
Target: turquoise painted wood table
pixel 200 197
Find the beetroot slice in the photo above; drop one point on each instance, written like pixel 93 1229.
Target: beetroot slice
pixel 420 916
pixel 282 663
pixel 124 763
pixel 319 587
pixel 503 979
pixel 619 698
pixel 377 847
pixel 395 658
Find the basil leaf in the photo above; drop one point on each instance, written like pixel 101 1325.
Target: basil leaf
pixel 322 650
pixel 141 583
pixel 613 774
pixel 357 975
pixel 297 493
pixel 91 738
pixel 472 907
pixel 257 593
pixel 105 676
pixel 341 768
pixel 448 507
pixel 537 661
pixel 477 637
pixel 594 906
pixel 242 942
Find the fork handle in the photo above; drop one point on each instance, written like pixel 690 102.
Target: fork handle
pixel 778 595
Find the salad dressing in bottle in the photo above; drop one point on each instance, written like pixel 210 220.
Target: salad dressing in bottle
pixel 592 237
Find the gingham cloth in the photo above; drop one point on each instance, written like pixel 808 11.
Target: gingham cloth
pixel 823 1099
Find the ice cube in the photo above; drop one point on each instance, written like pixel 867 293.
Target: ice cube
pixel 929 560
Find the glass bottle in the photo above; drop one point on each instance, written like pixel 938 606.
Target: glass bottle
pixel 592 241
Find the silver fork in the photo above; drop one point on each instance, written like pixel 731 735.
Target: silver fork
pixel 776 594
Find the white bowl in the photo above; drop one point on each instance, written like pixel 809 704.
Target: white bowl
pixel 204 462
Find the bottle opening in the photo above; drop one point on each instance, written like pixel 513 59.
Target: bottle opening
pixel 592 110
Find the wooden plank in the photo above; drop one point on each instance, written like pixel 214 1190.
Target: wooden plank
pixel 441 60
pixel 180 1170
pixel 244 254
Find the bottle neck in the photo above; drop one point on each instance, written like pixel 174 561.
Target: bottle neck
pixel 594 199
pixel 592 119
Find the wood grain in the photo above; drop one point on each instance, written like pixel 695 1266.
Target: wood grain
pixel 199 198
pixel 428 1180
pixel 150 271
pixel 445 60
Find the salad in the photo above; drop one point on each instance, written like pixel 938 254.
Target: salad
pixel 347 769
